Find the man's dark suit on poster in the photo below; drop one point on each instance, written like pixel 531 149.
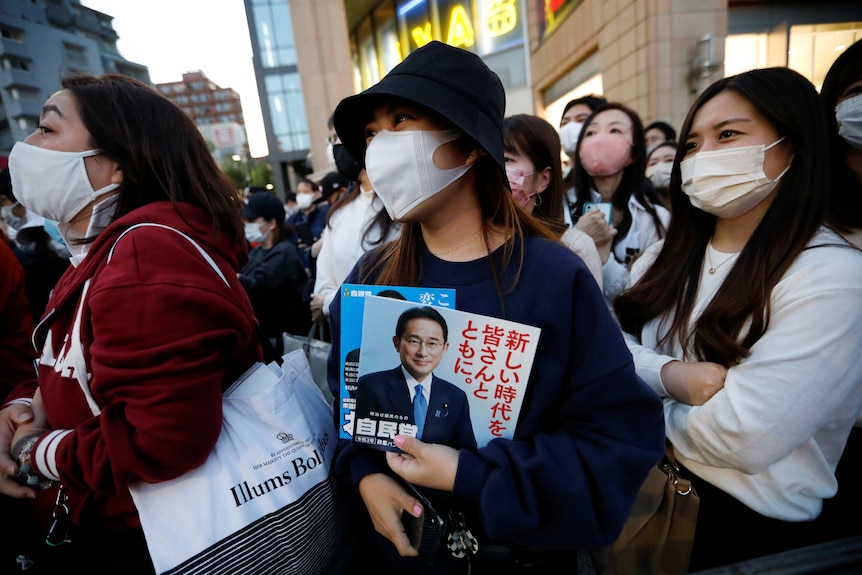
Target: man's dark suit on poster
pixel 448 419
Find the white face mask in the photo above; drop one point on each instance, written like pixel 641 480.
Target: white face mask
pixel 304 201
pixel 659 174
pixel 400 166
pixel 53 184
pixel 103 214
pixel 728 183
pixel 848 114
pixel 569 135
pixel 330 156
pixel 253 233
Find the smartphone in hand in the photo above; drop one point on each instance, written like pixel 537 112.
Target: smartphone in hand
pixel 427 534
pixel 605 207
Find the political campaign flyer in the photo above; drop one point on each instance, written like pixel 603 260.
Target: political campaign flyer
pixel 478 376
pixel 352 311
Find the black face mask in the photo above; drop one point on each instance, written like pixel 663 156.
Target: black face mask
pixel 345 164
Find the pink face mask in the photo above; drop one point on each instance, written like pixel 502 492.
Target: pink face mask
pixel 516 181
pixel 605 154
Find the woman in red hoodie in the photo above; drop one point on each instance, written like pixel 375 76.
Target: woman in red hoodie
pixel 141 335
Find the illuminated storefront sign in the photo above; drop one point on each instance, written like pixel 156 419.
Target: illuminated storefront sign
pixel 484 26
pixel 553 11
pixel 415 19
pixel 499 25
pixel 502 16
pixel 460 29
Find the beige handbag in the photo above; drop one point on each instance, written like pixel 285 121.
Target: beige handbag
pixel 658 537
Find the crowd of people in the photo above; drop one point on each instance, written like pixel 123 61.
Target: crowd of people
pixel 697 290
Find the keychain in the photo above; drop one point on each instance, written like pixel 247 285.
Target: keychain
pixel 58 532
pixel 461 541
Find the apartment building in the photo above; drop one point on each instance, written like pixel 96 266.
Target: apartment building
pixel 216 111
pixel 40 41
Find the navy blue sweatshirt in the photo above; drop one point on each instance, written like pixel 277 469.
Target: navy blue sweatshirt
pixel 589 430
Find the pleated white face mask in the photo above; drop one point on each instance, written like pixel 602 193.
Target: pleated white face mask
pixel 53 184
pixel 728 183
pixel 400 166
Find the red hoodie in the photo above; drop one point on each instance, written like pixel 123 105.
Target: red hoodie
pixel 16 324
pixel 160 337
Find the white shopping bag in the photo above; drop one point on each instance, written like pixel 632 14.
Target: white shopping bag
pixel 265 500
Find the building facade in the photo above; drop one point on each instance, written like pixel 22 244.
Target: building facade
pixel 41 41
pixel 216 111
pixel 654 56
pixel 302 66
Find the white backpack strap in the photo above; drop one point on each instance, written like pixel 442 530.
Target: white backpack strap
pixel 205 255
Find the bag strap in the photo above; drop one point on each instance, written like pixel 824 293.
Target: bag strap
pixel 269 352
pixel 197 246
pixel 670 467
pixel 316 326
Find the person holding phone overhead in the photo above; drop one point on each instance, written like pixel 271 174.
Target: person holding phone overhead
pixel 745 319
pixel 611 170
pixel 589 430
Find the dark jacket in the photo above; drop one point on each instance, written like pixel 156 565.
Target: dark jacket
pixel 276 282
pixel 16 324
pixel 589 429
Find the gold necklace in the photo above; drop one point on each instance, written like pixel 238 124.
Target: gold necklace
pixel 712 268
pixel 459 246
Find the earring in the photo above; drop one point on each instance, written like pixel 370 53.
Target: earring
pixel 470 157
pixel 538 201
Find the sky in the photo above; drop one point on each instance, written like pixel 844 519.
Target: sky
pixel 172 37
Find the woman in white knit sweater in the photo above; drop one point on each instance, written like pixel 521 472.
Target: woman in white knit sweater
pixel 746 320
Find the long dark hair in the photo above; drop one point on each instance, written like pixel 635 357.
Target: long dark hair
pixel 668 288
pixel 162 154
pixel 534 138
pixel 845 197
pixel 633 180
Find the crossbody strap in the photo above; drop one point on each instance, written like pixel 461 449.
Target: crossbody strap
pixel 271 354
pixel 197 246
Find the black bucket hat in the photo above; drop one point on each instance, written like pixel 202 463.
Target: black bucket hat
pixel 453 82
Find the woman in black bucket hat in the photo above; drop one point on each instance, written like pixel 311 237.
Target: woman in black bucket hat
pixel 430 135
